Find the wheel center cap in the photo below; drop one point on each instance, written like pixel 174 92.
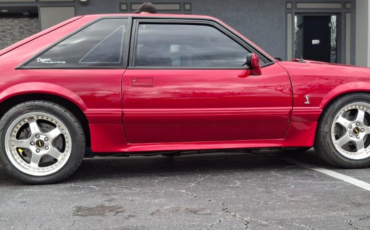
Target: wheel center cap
pixel 40 143
pixel 356 130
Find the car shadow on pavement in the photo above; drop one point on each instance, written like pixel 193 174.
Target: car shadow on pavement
pixel 125 167
pixel 138 166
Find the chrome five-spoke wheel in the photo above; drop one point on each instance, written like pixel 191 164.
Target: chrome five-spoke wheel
pixel 350 131
pixel 38 144
pixel 41 142
pixel 343 132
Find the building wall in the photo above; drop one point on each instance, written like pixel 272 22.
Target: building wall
pixel 16 29
pixel 263 21
pixel 50 16
pixel 363 33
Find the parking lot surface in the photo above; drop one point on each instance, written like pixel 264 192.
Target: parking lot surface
pixel 209 191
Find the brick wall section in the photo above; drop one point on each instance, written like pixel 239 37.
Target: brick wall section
pixel 15 29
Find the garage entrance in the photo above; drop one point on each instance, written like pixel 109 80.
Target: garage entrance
pixel 316 37
pixel 17 23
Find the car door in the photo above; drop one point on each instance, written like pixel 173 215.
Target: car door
pixel 186 83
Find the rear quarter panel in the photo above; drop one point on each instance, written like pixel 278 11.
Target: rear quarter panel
pixel 97 92
pixel 91 90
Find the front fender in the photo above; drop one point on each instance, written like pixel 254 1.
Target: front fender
pixel 43 88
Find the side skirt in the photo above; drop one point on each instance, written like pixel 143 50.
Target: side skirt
pixel 107 139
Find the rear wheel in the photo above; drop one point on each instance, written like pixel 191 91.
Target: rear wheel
pixel 343 134
pixel 40 142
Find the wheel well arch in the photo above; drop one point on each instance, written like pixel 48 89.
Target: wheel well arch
pixel 337 97
pixel 7 104
pixel 332 101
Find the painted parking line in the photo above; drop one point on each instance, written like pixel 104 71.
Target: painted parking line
pixel 339 176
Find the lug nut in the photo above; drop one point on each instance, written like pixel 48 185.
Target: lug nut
pixel 32 143
pixel 358 137
pixel 37 150
pixel 358 123
pixel 46 139
pixel 37 136
pixel 362 130
pixel 350 135
pixel 350 126
pixel 46 148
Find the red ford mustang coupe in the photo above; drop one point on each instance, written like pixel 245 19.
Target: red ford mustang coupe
pixel 146 84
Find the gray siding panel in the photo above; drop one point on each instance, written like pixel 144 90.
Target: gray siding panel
pixel 262 21
pixel 51 16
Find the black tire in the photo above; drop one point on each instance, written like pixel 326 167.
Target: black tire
pixel 324 145
pixel 68 120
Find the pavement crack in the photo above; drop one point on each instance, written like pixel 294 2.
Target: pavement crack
pixel 72 224
pixel 215 223
pixel 226 209
pixel 198 182
pixel 364 218
pixel 351 224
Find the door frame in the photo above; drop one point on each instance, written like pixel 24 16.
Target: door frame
pixel 340 37
pixel 345 11
pixel 174 20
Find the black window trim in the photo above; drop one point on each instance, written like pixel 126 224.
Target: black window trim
pixel 130 41
pixel 126 46
pixel 194 21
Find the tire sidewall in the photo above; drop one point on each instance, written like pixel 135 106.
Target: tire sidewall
pixel 65 118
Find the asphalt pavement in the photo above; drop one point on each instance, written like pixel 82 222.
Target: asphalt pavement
pixel 208 191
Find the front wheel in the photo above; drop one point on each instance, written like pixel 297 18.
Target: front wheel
pixel 41 142
pixel 343 134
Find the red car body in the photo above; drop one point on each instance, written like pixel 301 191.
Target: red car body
pixel 135 110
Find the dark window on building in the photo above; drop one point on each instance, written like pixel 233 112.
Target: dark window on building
pixel 100 44
pixel 179 45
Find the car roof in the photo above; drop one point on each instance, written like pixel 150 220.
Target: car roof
pixel 189 16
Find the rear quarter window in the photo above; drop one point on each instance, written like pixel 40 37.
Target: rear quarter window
pixel 100 44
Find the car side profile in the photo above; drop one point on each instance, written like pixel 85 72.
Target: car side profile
pixel 134 84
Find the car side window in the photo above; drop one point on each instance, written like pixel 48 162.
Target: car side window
pixel 181 45
pixel 100 44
